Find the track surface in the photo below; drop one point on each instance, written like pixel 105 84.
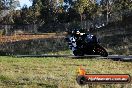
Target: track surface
pixel 113 57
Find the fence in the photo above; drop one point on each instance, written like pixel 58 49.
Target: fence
pixel 9 29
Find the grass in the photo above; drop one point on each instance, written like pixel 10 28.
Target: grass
pixel 57 72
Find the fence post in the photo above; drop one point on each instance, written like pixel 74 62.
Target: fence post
pixel 35 28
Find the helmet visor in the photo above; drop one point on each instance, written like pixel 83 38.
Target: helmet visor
pixel 77 32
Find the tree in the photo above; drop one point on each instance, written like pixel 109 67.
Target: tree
pixel 45 8
pixel 1 5
pixel 7 7
pixel 115 8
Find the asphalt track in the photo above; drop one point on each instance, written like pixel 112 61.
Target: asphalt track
pixel 113 57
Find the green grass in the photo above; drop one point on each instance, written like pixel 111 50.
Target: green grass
pixel 57 72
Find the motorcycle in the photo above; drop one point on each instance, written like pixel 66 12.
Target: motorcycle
pixel 86 44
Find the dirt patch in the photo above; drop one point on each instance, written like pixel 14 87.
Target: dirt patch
pixel 22 37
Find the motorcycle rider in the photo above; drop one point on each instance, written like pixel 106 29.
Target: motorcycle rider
pixel 77 35
pixel 81 44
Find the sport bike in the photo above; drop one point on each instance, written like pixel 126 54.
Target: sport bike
pixel 85 44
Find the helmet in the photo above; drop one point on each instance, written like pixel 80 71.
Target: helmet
pixel 75 32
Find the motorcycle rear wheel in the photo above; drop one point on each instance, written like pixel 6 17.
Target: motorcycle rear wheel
pixel 101 51
pixel 78 53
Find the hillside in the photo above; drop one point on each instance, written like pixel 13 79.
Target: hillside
pixel 117 36
pixel 32 43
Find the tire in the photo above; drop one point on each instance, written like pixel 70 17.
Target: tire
pixel 78 53
pixel 104 53
pixel 101 51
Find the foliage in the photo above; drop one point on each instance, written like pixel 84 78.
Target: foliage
pixel 6 8
pixel 43 12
